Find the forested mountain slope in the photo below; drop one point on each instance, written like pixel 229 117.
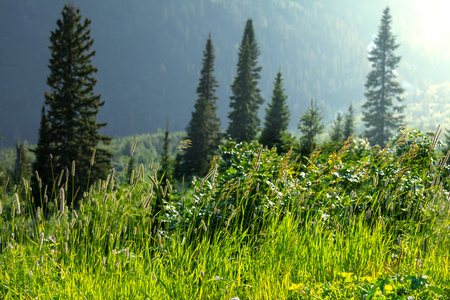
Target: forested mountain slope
pixel 149 55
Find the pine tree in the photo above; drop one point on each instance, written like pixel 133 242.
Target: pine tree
pixel 72 104
pixel 447 142
pixel 21 166
pixel 246 99
pixel 337 129
pixel 311 126
pixel 165 172
pixel 204 128
pixel 379 111
pixel 42 179
pixel 349 123
pixel 129 170
pixel 277 116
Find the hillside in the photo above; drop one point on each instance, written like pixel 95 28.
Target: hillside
pixel 149 53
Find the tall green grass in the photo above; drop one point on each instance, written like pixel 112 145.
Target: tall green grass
pixel 259 226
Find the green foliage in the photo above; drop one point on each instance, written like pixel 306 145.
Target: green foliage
pixel 258 226
pixel 203 130
pixel 428 107
pixel 129 170
pixel 277 117
pixel 247 183
pixel 382 89
pixel 165 173
pixel 310 126
pixel 71 120
pixel 337 130
pixel 44 177
pixel 445 149
pixel 148 150
pixel 246 99
pixel 349 123
pixel 22 165
pixel 350 286
pixel 342 129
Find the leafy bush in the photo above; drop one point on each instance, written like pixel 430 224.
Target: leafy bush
pixel 245 184
pixel 395 185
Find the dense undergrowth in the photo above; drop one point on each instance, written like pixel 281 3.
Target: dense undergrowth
pixel 362 223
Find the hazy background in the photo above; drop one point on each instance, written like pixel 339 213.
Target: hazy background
pixel 149 56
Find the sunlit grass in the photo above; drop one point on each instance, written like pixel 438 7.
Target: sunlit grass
pixel 116 245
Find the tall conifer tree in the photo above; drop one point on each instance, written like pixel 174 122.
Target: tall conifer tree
pixel 72 104
pixel 246 98
pixel 336 134
pixel 311 126
pixel 22 165
pixel 379 113
pixel 165 172
pixel 277 116
pixel 349 123
pixel 43 179
pixel 204 128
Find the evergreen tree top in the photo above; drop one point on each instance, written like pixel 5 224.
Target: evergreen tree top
pixel 72 107
pixel 385 42
pixel 207 83
pixel 277 116
pixel 246 98
pixel 379 114
pixel 249 34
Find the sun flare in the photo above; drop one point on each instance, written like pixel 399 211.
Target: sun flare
pixel 434 28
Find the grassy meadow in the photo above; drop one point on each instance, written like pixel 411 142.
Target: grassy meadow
pixel 359 223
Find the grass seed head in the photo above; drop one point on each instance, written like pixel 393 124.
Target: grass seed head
pixel 41 241
pixel 204 226
pixel 62 201
pixel 92 158
pixel 16 197
pixel 134 147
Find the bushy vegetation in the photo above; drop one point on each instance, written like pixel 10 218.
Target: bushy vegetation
pixel 362 222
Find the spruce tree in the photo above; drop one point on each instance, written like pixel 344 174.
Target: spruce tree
pixel 380 115
pixel 310 126
pixel 21 166
pixel 165 172
pixel 447 142
pixel 337 129
pixel 73 105
pixel 203 130
pixel 349 123
pixel 42 179
pixel 277 116
pixel 246 98
pixel 129 170
pixel 335 140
